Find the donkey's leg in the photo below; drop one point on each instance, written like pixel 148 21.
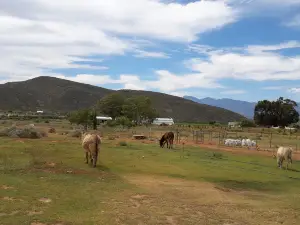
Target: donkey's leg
pixel 95 157
pixel 87 157
pixel 91 158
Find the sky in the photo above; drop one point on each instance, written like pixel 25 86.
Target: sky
pixel 240 49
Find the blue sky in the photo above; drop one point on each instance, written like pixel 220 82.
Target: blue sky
pixel 240 49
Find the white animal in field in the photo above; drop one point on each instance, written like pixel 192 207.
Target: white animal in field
pixel 232 142
pixel 248 142
pixel 284 153
pixel 91 145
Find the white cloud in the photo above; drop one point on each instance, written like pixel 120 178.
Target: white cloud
pixel 165 82
pixel 273 88
pixel 233 92
pixel 178 93
pixel 148 54
pixel 294 90
pixel 257 63
pixel 294 22
pixel 54 34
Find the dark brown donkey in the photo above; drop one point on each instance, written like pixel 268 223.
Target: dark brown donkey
pixel 167 137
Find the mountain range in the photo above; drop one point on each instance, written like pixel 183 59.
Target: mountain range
pixel 241 107
pixel 60 95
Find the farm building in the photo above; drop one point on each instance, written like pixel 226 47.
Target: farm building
pixel 160 121
pixel 234 124
pixel 102 119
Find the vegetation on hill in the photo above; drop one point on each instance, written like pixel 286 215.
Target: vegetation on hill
pixel 59 95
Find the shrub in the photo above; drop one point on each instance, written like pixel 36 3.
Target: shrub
pixel 217 155
pixel 123 143
pixel 74 133
pixel 51 130
pixel 247 123
pixel 26 132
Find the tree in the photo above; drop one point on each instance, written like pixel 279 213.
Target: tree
pixel 123 121
pixel 93 118
pixel 247 123
pixel 281 112
pixel 111 105
pixel 139 109
pixel 84 117
pixel 81 117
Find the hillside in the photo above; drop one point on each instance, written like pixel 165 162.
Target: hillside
pixel 54 94
pixel 241 107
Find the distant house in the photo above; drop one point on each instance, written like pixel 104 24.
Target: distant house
pixel 102 119
pixel 160 121
pixel 234 124
pixel 39 111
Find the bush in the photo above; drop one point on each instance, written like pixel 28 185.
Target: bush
pixel 247 123
pixel 51 130
pixel 74 133
pixel 27 132
pixel 123 121
pixel 123 143
pixel 111 123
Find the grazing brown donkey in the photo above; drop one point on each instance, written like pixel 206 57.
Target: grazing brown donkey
pixel 167 137
pixel 90 143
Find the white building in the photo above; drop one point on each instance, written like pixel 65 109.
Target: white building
pixel 39 111
pixel 234 124
pixel 159 121
pixel 102 119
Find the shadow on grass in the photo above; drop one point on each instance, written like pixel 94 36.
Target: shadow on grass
pixel 294 170
pixel 250 185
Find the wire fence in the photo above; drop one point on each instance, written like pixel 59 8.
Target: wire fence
pixel 265 141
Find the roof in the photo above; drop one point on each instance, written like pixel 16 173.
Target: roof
pixel 103 118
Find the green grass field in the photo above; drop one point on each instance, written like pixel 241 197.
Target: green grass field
pixel 46 181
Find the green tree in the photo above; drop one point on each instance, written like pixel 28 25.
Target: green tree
pixel 81 117
pixel 139 109
pixel 247 123
pixel 84 117
pixel 123 121
pixel 111 105
pixel 281 112
pixel 93 118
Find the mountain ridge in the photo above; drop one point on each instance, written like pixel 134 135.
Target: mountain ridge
pixel 244 108
pixel 56 94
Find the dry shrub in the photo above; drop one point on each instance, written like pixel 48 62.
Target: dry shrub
pixel 123 143
pixel 51 130
pixel 74 133
pixel 26 132
pixel 111 137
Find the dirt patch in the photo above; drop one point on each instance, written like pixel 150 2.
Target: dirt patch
pixel 7 198
pixel 9 214
pixel 239 151
pixel 45 200
pixel 193 202
pixel 31 213
pixel 170 220
pixel 5 187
